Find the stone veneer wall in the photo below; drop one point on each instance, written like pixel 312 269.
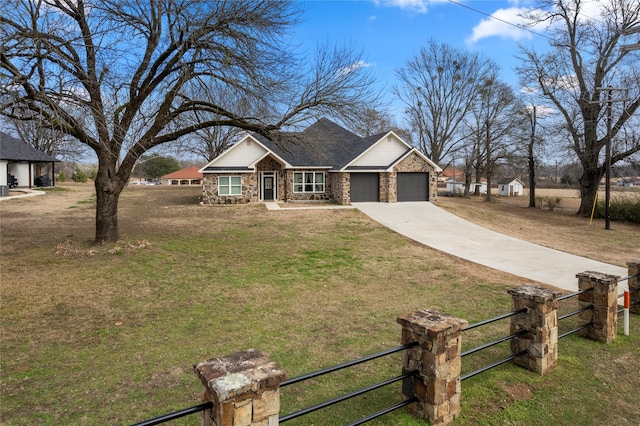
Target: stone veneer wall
pixel 210 189
pixel 414 163
pixel 388 187
pixel 340 184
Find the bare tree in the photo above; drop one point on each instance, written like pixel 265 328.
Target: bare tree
pixel 438 87
pixel 124 77
pixel 574 75
pixel 373 122
pixel 492 123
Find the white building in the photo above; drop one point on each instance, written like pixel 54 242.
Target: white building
pixel 510 187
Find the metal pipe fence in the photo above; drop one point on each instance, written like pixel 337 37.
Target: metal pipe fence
pixel 208 405
pixel 355 393
pixel 347 364
pixel 176 414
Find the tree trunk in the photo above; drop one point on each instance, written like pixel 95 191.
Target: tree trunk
pixel 107 196
pixel 488 197
pixel 478 182
pixel 589 184
pixel 532 178
pixel 467 181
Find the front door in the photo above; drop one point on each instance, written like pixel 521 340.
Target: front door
pixel 267 188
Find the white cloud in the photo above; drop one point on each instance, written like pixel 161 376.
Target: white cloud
pixel 503 23
pixel 353 67
pixel 419 6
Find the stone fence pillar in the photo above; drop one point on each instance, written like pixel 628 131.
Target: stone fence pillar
pixel 634 285
pixel 541 321
pixel 437 357
pixel 244 389
pixel 604 298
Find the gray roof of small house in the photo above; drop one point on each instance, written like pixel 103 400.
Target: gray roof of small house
pixel 13 149
pixel 323 144
pixel 506 181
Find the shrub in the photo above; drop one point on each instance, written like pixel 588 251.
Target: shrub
pixel 549 202
pixel 62 177
pixel 622 209
pixel 79 176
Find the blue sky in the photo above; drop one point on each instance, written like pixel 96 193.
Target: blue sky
pixel 390 32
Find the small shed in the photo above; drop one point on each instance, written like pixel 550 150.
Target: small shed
pixel 510 187
pixel 17 165
pixel 188 176
pixel 455 187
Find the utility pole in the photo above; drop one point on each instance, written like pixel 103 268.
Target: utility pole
pixel 607 199
pixel 607 161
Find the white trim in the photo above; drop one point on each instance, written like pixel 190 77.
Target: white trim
pixel 409 147
pixel 217 172
pixel 269 152
pixel 230 185
pixel 437 168
pixel 261 176
pixel 239 143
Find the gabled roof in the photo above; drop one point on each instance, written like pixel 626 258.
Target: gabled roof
pixel 508 180
pixel 13 149
pixel 191 172
pixel 323 144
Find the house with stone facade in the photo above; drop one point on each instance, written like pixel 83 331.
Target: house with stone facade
pixel 325 162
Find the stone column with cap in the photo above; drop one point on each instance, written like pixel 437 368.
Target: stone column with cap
pixel 604 298
pixel 541 324
pixel 437 359
pixel 244 389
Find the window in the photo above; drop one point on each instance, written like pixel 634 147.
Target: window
pixel 230 185
pixel 308 182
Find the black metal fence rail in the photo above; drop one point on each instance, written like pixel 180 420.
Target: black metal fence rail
pixel 346 396
pixel 567 296
pixel 355 393
pixel 176 414
pixel 494 319
pixel 576 312
pixel 493 343
pixel 347 364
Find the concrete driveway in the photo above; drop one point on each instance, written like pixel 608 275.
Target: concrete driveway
pixel 432 226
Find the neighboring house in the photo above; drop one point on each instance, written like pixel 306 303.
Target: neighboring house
pixel 188 176
pixel 510 187
pixel 451 173
pixel 325 162
pixel 17 165
pixel 455 187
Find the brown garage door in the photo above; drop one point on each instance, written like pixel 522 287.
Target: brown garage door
pixel 413 186
pixel 365 187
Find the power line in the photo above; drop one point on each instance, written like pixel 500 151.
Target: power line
pixel 521 27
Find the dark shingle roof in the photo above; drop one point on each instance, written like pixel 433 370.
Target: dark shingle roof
pixel 323 144
pixel 508 180
pixel 15 150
